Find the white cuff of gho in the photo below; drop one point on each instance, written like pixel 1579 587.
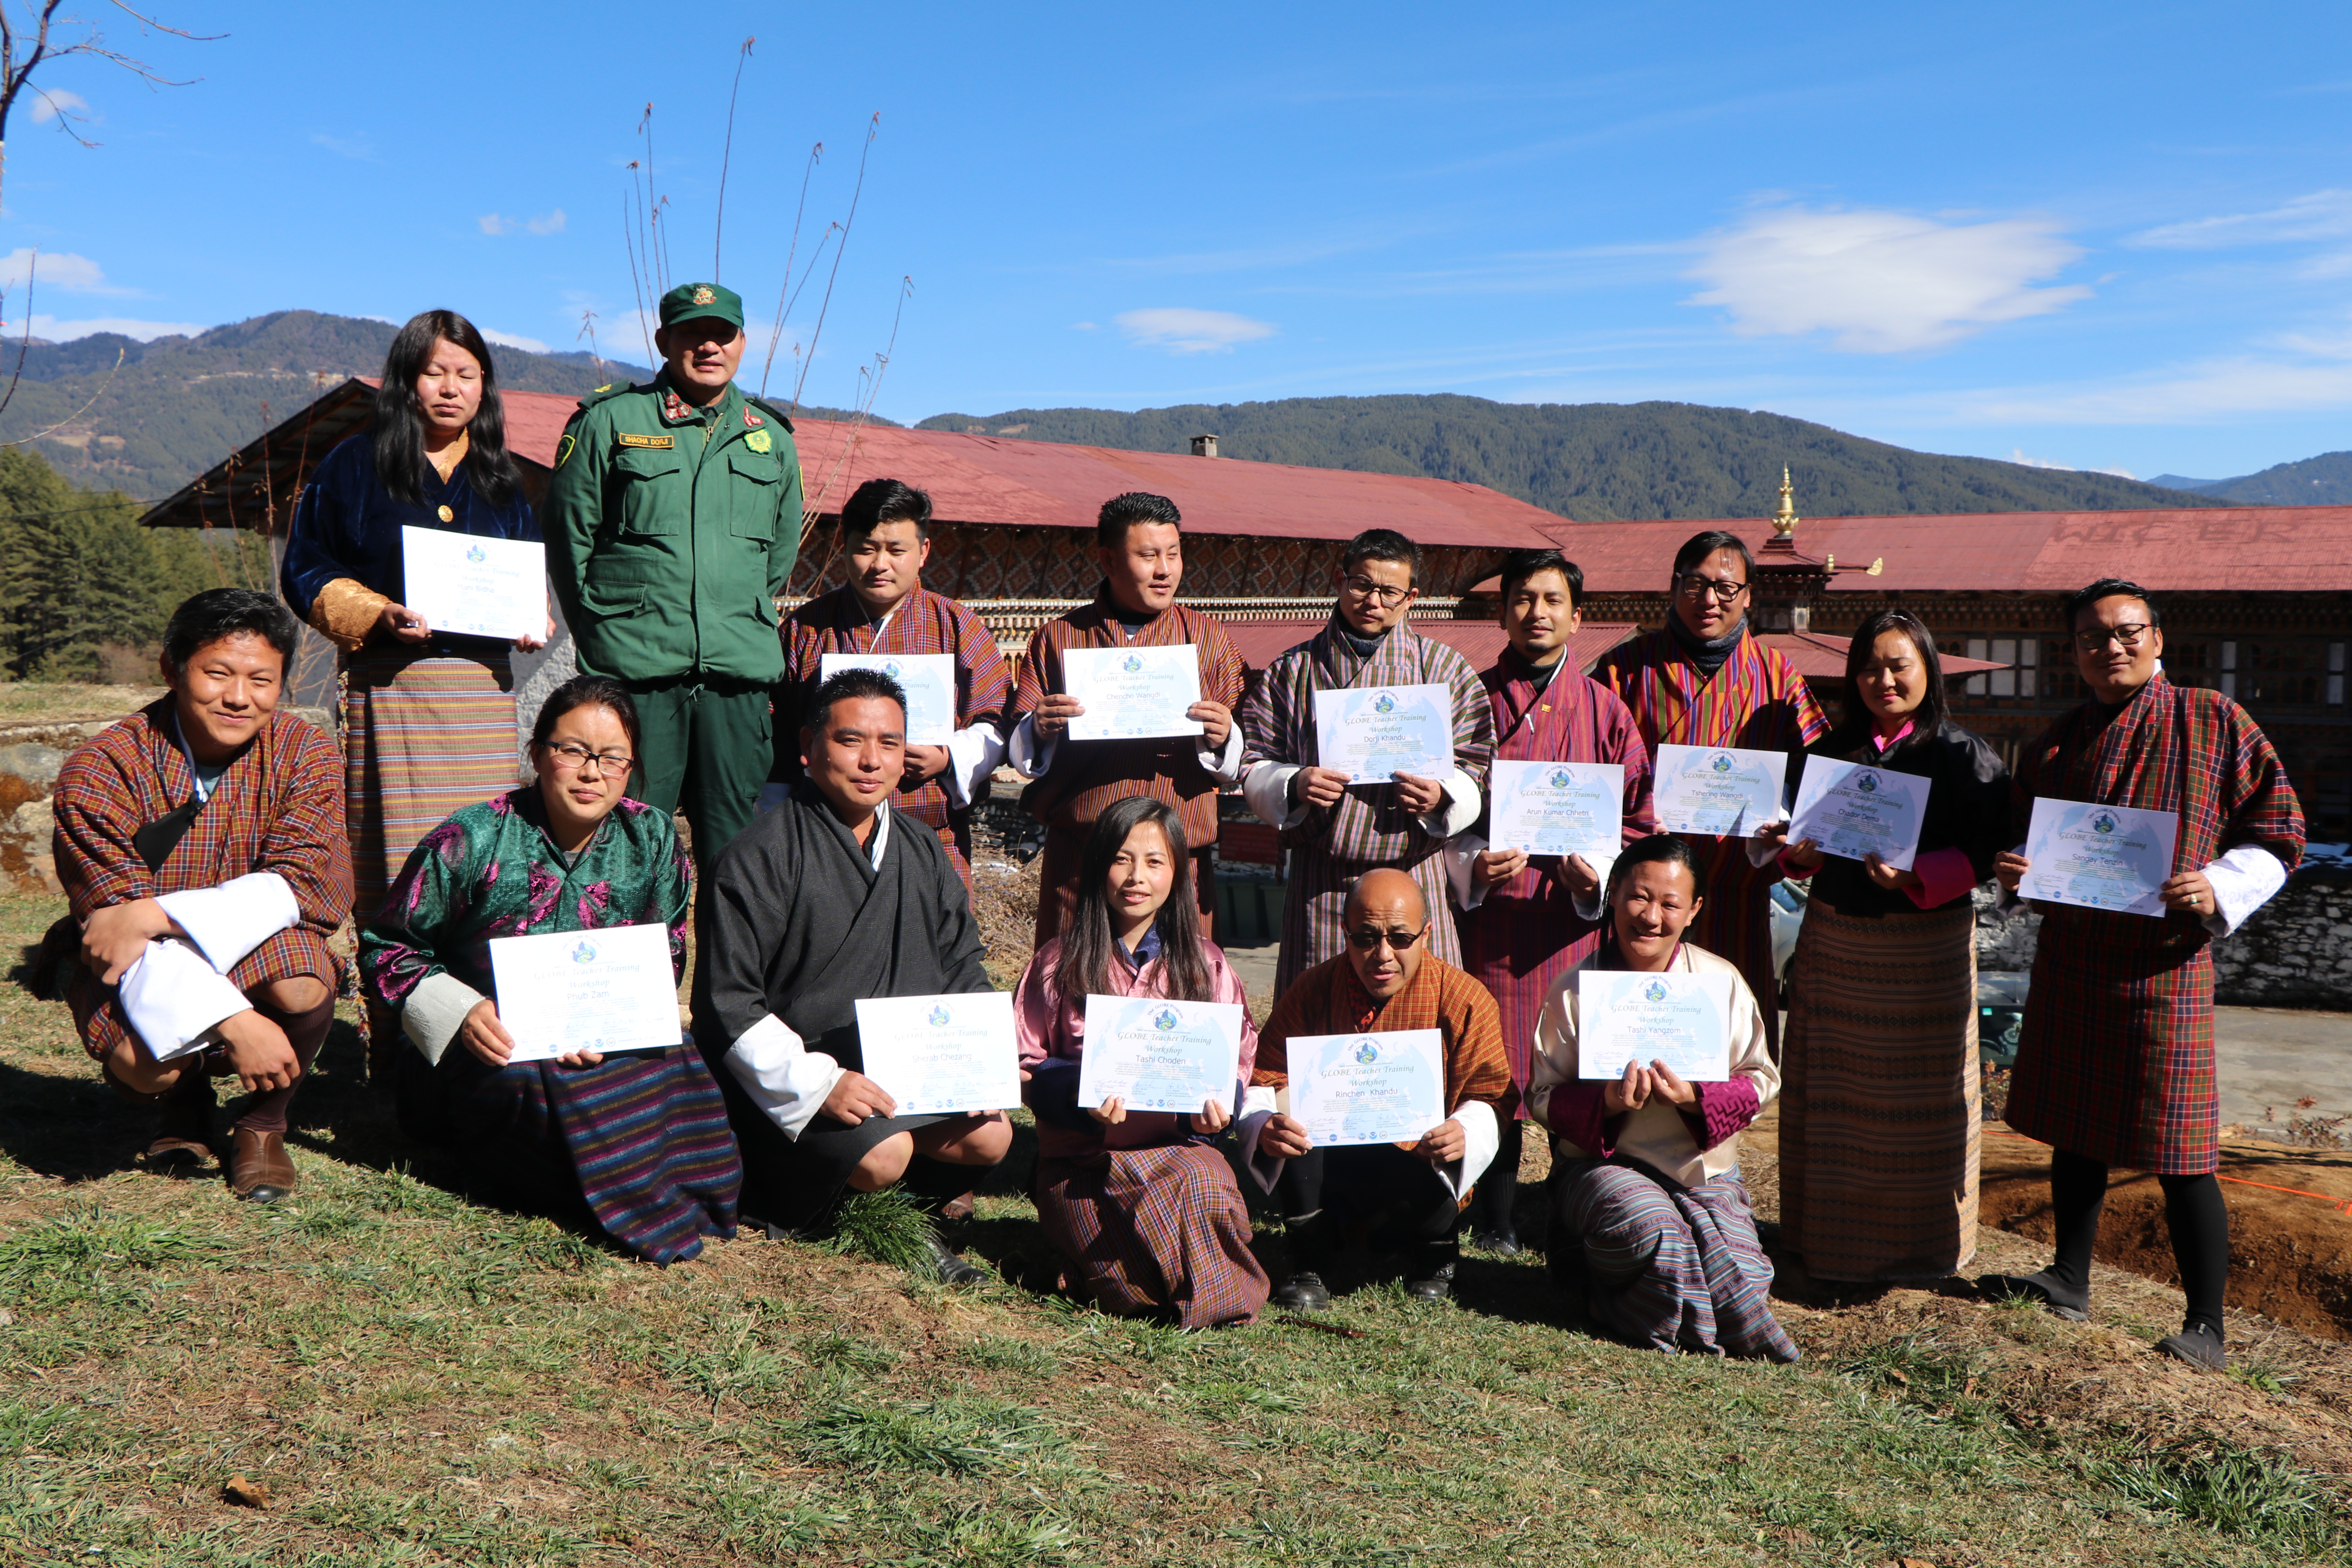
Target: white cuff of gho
pixel 230 920
pixel 1266 790
pixel 435 1011
pixel 1482 1134
pixel 1259 1104
pixel 972 755
pixel 2243 880
pixel 175 998
pixel 1225 764
pixel 1461 861
pixel 1029 754
pixel 785 1079
pixel 1460 810
pixel 1590 910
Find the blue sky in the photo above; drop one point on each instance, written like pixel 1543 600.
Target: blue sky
pixel 2095 236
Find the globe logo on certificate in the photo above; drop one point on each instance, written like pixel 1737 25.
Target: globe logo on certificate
pixel 938 1019
pixel 1722 763
pixel 1165 1019
pixel 2103 823
pixel 583 952
pixel 475 554
pixel 1656 991
pixel 893 668
pixel 1131 664
pixel 1866 783
pixel 1366 1052
pixel 1384 703
pixel 1561 778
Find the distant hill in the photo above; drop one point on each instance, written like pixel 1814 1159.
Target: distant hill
pixel 179 404
pixel 1592 461
pixel 2324 481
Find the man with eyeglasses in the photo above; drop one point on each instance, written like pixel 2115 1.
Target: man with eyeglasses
pixel 1140 544
pixel 1704 680
pixel 1336 829
pixel 1527 920
pixel 1400 1198
pixel 2115 1059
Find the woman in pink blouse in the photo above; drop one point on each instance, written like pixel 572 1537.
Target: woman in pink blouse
pixel 1140 1204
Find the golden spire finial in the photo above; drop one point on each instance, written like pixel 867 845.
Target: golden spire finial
pixel 1785 521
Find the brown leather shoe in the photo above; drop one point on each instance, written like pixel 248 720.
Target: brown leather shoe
pixel 183 1137
pixel 259 1171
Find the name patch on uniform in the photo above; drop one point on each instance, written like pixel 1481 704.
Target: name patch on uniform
pixel 661 443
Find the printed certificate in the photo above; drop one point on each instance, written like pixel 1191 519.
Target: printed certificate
pixel 1557 808
pixel 1721 790
pixel 1372 733
pixel 1368 1089
pixel 1159 1055
pixel 1132 693
pixel 2111 857
pixel 929 680
pixel 565 990
pixel 1683 1020
pixel 940 1053
pixel 1853 810
pixel 480 587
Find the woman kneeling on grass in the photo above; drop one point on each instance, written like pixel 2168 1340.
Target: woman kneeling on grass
pixel 1650 1218
pixel 1143 1208
pixel 641 1138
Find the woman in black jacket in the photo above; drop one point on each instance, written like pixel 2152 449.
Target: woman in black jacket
pixel 1879 1120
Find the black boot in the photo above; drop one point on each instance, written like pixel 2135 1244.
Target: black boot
pixel 1310 1254
pixel 1431 1277
pixel 935 1187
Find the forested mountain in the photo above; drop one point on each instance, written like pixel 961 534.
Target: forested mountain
pixel 178 406
pixel 1592 461
pixel 2324 481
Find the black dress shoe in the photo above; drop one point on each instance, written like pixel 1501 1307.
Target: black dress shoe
pixel 1503 1243
pixel 2198 1346
pixel 950 1265
pixel 1303 1291
pixel 1437 1287
pixel 2036 1287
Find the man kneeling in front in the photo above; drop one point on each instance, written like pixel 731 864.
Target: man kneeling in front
pixel 202 847
pixel 1396 1197
pixel 832 897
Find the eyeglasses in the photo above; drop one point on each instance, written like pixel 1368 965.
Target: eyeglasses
pixel 2124 636
pixel 1398 940
pixel 574 757
pixel 1694 586
pixel 1365 588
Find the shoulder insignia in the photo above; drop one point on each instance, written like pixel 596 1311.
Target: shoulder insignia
pixel 610 389
pixel 659 443
pixel 758 441
pixel 564 449
pixel 751 420
pixel 769 409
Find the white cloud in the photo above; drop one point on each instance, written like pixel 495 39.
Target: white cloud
pixel 1881 282
pixel 545 223
pixel 2017 455
pixel 514 341
pixel 1188 332
pixel 54 102
pixel 58 332
pixel 2322 215
pixel 55 270
pixel 360 148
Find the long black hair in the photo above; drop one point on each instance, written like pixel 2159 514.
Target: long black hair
pixel 1086 958
pixel 400 428
pixel 1855 723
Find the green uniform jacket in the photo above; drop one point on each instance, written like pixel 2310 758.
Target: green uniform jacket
pixel 670 530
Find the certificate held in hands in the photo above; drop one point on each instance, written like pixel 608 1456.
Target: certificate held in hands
pixel 1132 693
pixel 603 991
pixel 1721 790
pixel 478 587
pixel 1368 1089
pixel 928 678
pixel 1374 733
pixel 1681 1020
pixel 2111 857
pixel 1856 811
pixel 1559 808
pixel 1159 1055
pixel 942 1054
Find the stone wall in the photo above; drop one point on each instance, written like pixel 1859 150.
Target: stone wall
pixel 2296 953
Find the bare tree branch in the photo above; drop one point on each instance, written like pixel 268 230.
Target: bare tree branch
pixel 28 440
pixel 726 156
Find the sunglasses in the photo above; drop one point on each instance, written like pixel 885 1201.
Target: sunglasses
pixel 1398 940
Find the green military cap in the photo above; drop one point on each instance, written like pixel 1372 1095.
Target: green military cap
pixel 690 300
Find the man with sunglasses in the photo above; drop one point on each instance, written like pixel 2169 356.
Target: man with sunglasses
pixel 1398 1197
pixel 1704 680
pixel 1336 829
pixel 2115 1061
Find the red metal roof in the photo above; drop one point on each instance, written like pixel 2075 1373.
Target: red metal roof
pixel 1003 481
pixel 1480 642
pixel 2302 548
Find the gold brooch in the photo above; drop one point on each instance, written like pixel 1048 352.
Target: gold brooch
pixel 447 516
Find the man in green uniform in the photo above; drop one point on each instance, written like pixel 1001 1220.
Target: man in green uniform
pixel 672 521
